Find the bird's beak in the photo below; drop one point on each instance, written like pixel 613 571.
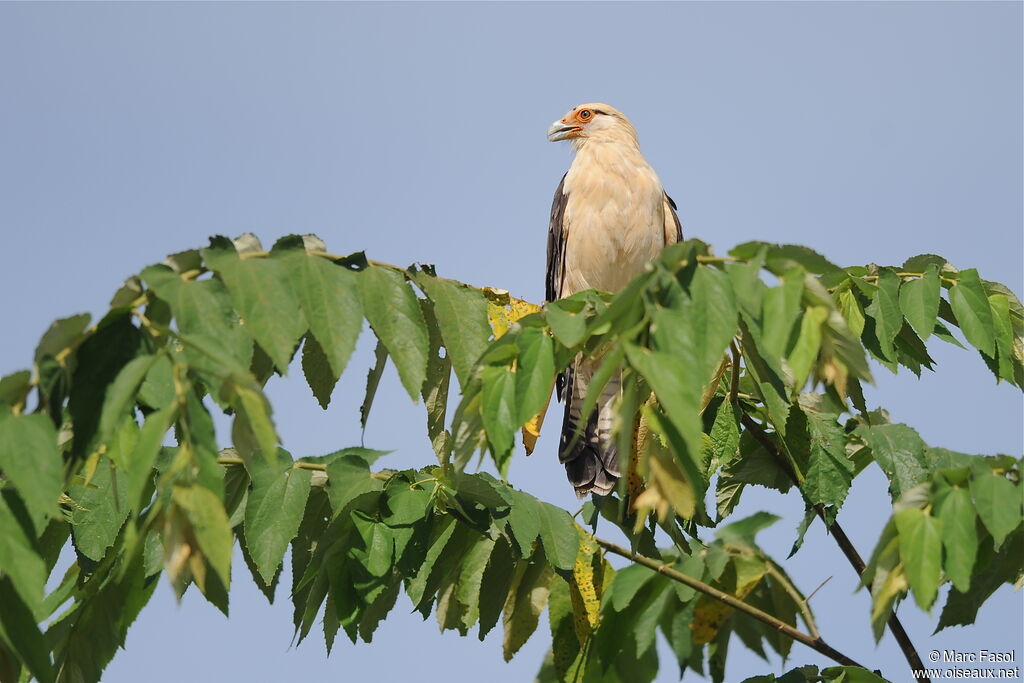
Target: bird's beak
pixel 560 131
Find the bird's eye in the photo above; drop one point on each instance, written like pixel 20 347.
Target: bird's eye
pixel 584 115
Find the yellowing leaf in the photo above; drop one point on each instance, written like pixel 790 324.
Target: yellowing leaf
pixel 585 588
pixel 504 309
pixel 711 614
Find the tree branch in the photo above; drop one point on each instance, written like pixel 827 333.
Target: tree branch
pixel 816 644
pixel 844 543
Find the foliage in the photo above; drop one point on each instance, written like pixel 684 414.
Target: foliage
pixel 715 365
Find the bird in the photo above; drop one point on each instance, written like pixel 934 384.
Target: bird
pixel 609 218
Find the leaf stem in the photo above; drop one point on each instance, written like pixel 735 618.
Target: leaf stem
pixel 844 543
pixel 815 643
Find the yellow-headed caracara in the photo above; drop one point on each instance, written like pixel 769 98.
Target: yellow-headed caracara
pixel 610 216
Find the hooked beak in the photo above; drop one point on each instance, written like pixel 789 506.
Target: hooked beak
pixel 560 131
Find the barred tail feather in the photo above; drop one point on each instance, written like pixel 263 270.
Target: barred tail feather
pixel 591 460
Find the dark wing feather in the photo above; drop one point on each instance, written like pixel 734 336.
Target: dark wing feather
pixel 675 217
pixel 556 245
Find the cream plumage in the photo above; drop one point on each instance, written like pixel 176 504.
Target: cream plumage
pixel 609 218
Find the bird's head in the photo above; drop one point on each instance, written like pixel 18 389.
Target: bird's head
pixel 594 121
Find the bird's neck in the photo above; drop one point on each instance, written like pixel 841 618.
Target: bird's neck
pixel 608 152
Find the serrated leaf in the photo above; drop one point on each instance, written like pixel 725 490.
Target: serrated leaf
pixel 495 584
pixel 151 437
pixel 462 315
pixel 18 627
pixel 920 538
pixel 348 477
pixel 829 474
pixel 626 585
pixel 1009 366
pixel 120 396
pixel 999 568
pixel 781 308
pixel 524 521
pixel 395 316
pixel 29 459
pixel 499 411
pixel 202 309
pixel 808 343
pixel 380 355
pixel 262 293
pixel 884 309
pixel 535 373
pixel 101 357
pixel 209 522
pixel 99 510
pixel 273 513
pixel 969 302
pixel 318 372
pixel 851 310
pixel 959 536
pixel 997 501
pixel 899 451
pixel 19 561
pixel 919 301
pixel 329 296
pixel 558 533
pixel 527 598
pixel 435 387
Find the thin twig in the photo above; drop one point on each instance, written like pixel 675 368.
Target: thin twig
pixel 816 644
pixel 845 545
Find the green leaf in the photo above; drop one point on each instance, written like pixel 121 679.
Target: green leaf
pixel 157 389
pixel 19 561
pixel 568 326
pixel 406 506
pixel 1009 367
pixel 347 478
pixel 317 369
pixel 626 585
pixel 851 310
pixel 15 387
pixel 781 308
pixel 29 459
pixel 524 521
pixel 884 309
pixel 209 521
pixel 808 343
pixel 558 533
pixel 329 296
pixel 380 355
pixel 900 452
pixel 919 301
pixel 202 309
pixel 526 600
pixel 273 513
pixel 782 257
pixel 973 314
pixel 19 626
pixel 395 316
pixel 140 471
pixel 829 474
pixel 494 587
pixel 745 530
pixel 121 395
pixel 462 315
pixel 994 569
pixel 920 538
pixel 100 358
pixel 262 293
pixel 499 411
pixel 535 373
pixel 100 509
pixel 997 501
pixel 959 536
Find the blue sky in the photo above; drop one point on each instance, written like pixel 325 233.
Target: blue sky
pixel 868 131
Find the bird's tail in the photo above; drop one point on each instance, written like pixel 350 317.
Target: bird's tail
pixel 591 460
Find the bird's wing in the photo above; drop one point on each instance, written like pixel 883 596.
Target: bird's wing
pixel 673 228
pixel 556 245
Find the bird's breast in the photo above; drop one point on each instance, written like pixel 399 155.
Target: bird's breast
pixel 614 221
